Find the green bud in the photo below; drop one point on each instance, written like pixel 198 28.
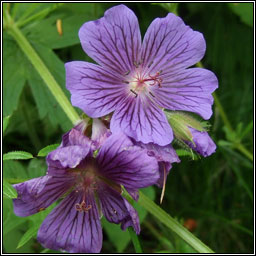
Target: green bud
pixel 180 123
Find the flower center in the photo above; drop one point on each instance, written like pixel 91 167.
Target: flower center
pixel 139 83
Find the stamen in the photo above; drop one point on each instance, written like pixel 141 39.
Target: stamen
pixel 127 73
pixel 82 207
pixel 126 82
pixel 136 94
pixel 151 94
pixel 163 189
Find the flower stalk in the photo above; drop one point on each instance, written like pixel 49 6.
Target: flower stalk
pixel 171 223
pixel 41 68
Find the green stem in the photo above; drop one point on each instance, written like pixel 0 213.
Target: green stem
pixel 135 240
pixel 170 222
pixel 42 70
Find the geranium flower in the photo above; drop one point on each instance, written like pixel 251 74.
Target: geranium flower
pixel 137 80
pixel 90 186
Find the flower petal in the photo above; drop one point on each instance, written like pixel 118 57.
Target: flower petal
pixel 170 45
pixel 99 133
pixel 37 194
pixel 125 164
pixel 204 144
pixel 116 209
pixel 189 90
pixel 94 89
pixel 113 41
pixel 142 120
pixel 75 137
pixel 67 229
pixel 161 153
pixel 67 157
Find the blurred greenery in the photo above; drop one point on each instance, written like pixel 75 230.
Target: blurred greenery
pixel 216 192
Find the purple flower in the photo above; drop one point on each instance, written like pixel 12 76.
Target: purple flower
pixel 91 186
pixel 136 79
pixel 203 144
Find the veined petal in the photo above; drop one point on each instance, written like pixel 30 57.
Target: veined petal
pixel 125 164
pixel 142 120
pixel 94 89
pixel 37 194
pixel 170 45
pixel 75 137
pixel 113 41
pixel 189 90
pixel 116 209
pixel 67 229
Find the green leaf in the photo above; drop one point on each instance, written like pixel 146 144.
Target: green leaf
pixel 30 233
pixel 36 168
pixel 13 75
pixel 14 172
pixel 118 237
pixel 46 103
pixel 8 190
pixel 72 18
pixel 244 11
pixel 46 150
pixel 17 155
pixel 5 123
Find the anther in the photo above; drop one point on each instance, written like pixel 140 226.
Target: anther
pixel 136 94
pixel 127 73
pixel 135 64
pixel 126 82
pixel 151 94
pixel 82 207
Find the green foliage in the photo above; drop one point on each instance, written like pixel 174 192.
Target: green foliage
pixel 217 192
pixel 8 190
pixel 15 155
pixel 244 11
pixel 45 151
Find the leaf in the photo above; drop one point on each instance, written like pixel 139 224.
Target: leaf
pixel 30 233
pixel 46 150
pixel 45 101
pixel 13 75
pixel 36 221
pixel 45 32
pixel 5 123
pixel 118 237
pixel 15 155
pixel 8 190
pixel 244 11
pixel 36 168
pixel 14 170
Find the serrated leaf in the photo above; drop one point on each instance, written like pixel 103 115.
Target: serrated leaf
pixel 46 150
pixel 8 190
pixel 30 233
pixel 5 123
pixel 17 155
